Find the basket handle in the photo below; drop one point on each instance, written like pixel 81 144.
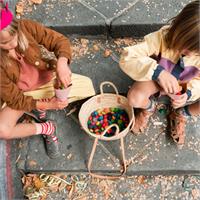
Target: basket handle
pixel 108 83
pixel 111 177
pixel 109 127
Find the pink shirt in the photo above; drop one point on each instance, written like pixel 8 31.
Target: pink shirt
pixel 30 77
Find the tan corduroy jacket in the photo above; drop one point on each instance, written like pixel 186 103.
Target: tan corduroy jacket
pixel 37 35
pixel 145 61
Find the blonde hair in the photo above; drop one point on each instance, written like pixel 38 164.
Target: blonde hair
pixel 13 29
pixel 184 30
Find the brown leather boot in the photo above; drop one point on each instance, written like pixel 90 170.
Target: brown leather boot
pixel 177 123
pixel 141 121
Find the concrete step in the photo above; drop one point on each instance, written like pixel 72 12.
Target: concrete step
pixel 113 18
pixel 151 153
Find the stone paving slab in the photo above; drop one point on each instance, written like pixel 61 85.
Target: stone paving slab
pixel 146 16
pixel 151 153
pixel 114 17
pixel 161 157
pixel 68 17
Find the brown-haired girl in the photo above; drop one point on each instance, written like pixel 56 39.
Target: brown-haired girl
pixel 167 61
pixel 26 82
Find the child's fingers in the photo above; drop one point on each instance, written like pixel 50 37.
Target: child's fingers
pixel 178 103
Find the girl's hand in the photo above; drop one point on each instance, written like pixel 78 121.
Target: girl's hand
pixel 180 101
pixel 168 82
pixel 51 104
pixel 63 71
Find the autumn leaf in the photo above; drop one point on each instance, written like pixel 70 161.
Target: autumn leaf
pixel 96 47
pixel 84 42
pixel 32 163
pixel 141 179
pixel 19 8
pixel 107 53
pixel 37 1
pixel 38 183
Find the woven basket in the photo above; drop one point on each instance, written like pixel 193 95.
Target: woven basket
pixel 106 100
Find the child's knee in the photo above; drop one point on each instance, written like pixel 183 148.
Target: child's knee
pixel 5 132
pixel 137 99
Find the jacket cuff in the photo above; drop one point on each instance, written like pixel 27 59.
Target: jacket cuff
pixel 66 55
pixel 189 94
pixel 157 72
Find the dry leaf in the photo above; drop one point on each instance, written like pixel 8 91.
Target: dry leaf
pixel 107 53
pixel 19 8
pixel 29 190
pixel 20 145
pixel 62 186
pixel 44 197
pixel 103 184
pixel 32 163
pixel 53 188
pixel 117 42
pixel 27 181
pixel 71 191
pixel 141 179
pixel 84 42
pixel 38 183
pixel 196 193
pixel 68 187
pixel 69 157
pixel 96 47
pixel 37 1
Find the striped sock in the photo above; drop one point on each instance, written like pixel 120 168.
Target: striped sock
pixel 46 128
pixel 42 114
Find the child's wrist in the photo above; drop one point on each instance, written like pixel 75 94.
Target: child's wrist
pixel 159 69
pixel 40 105
pixel 64 59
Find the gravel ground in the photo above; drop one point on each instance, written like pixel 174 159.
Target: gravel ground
pixel 84 187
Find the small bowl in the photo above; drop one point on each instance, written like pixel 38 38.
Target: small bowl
pixel 175 96
pixel 62 94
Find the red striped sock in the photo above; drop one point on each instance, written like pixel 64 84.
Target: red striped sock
pixel 46 128
pixel 42 114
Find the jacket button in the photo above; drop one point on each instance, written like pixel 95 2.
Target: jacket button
pixel 37 63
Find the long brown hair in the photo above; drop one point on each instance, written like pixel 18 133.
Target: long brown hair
pixel 184 30
pixel 13 29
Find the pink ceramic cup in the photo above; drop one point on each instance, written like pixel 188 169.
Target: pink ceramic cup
pixel 62 94
pixel 175 97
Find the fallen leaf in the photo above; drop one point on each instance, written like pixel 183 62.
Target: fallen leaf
pixel 32 163
pixel 19 8
pixel 107 53
pixel 38 183
pixel 27 181
pixel 37 1
pixel 71 191
pixel 96 47
pixel 196 193
pixel 53 188
pixel 117 42
pixel 29 190
pixel 68 187
pixel 62 186
pixel 69 157
pixel 84 42
pixel 141 179
pixel 44 197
